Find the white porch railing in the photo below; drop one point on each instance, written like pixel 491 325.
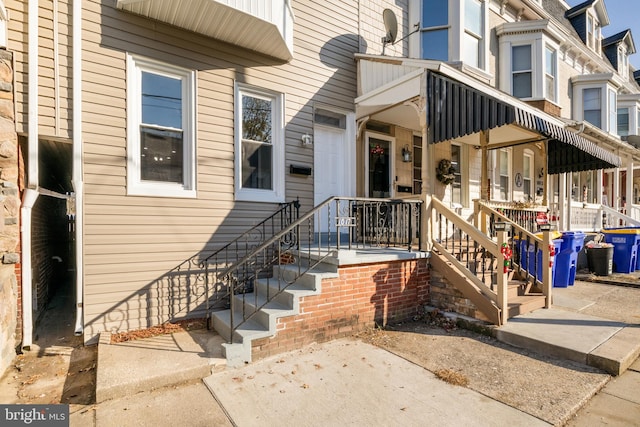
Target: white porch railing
pixel 595 217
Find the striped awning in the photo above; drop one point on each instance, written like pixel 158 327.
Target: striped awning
pixel 455 109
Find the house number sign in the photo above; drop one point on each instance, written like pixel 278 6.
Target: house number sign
pixel 345 221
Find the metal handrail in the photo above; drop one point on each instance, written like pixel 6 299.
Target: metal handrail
pixel 367 222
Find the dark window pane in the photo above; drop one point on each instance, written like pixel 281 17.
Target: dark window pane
pixel 161 155
pixel 435 45
pixel 256 165
pixel 522 85
pixel 161 100
pixel 435 13
pixel 256 119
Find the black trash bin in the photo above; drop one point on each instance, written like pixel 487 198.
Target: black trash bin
pixel 600 260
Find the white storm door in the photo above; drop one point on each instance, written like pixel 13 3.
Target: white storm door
pixel 330 176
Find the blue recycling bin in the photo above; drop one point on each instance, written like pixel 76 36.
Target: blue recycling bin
pixel 567 258
pixel 625 248
pixel 532 262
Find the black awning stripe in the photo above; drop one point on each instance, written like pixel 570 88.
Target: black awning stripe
pixel 455 110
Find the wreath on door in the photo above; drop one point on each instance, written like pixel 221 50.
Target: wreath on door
pixel 445 172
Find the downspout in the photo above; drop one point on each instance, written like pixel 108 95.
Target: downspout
pixel 30 193
pixel 28 200
pixel 77 160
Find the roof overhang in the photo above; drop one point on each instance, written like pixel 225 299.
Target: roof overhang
pixel 461 108
pixel 265 27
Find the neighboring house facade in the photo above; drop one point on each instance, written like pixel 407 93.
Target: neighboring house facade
pixel 163 130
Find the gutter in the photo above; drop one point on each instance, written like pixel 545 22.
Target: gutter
pixel 78 184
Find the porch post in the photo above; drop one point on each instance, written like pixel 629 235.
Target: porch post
pixel 599 186
pixel 546 267
pixel 545 176
pixel 484 176
pixel 615 197
pixel 427 160
pixel 503 299
pixel 629 192
pixel 569 187
pixel 562 197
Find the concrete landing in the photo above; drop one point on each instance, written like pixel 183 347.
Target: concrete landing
pixel 605 344
pixel 131 367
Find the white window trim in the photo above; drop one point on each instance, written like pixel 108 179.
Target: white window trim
pixel 509 175
pixel 277 194
pixel 528 157
pixel 539 42
pixel 555 72
pixel 135 185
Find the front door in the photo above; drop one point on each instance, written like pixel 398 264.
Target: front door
pixel 379 167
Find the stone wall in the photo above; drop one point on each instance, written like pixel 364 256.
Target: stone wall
pixel 10 301
pixel 362 297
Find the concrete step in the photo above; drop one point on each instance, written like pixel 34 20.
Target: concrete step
pixel 132 367
pixel 593 341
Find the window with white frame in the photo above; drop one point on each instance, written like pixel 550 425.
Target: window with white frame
pixel 592 106
pixel 521 71
pixel 259 145
pixel 504 168
pixel 550 73
pixel 473 33
pixel 593 33
pixel 434 31
pixel 451 30
pixel 456 186
pixel 160 129
pixel 623 121
pixel 613 111
pixel 527 176
pixel 623 62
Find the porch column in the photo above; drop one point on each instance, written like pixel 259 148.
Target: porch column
pixel 599 186
pixel 629 183
pixel 484 181
pixel 615 197
pixel 562 197
pixel 427 184
pixel 569 187
pixel 545 176
pixel 484 176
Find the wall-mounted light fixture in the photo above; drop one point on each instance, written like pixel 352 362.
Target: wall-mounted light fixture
pixel 306 139
pixel 406 154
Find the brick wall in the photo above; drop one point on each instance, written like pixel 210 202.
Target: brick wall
pixel 361 297
pixel 9 216
pixel 445 296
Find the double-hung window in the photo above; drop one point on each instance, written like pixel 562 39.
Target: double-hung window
pixel 456 162
pixel 592 104
pixel 434 33
pixel 623 121
pixel 504 169
pixel 550 73
pixel 473 33
pixel 259 145
pixel 613 111
pixel 527 172
pixel 521 71
pixel 161 129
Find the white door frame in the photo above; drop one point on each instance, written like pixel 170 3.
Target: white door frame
pixel 392 149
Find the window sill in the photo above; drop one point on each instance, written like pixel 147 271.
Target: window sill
pixel 160 190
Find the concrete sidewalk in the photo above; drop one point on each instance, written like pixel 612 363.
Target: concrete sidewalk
pixel 350 382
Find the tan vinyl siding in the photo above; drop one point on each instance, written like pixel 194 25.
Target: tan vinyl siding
pixel 133 244
pixel 54 76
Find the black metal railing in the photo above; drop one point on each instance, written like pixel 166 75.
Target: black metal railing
pixel 238 248
pixel 248 284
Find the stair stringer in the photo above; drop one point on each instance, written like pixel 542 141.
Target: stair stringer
pixel 286 304
pixel 466 287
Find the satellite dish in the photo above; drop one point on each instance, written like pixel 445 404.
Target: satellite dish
pixel 391 26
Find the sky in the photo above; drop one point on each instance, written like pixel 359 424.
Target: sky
pixel 623 15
